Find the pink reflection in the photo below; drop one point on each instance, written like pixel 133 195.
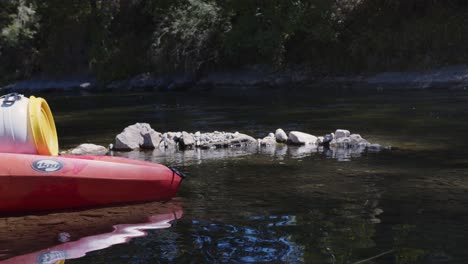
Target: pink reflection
pixel 79 248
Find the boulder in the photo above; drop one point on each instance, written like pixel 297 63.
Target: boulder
pixel 89 149
pixel 151 140
pixel 339 133
pixel 300 138
pixel 139 135
pixel 281 136
pixel 186 140
pixel 129 139
pixel 168 140
pixel 269 140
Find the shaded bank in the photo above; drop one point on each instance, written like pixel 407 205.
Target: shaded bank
pixel 451 77
pixel 117 40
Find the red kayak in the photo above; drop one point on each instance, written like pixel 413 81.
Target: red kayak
pixel 34 183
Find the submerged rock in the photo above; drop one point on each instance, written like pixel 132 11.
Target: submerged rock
pixel 89 149
pixel 374 147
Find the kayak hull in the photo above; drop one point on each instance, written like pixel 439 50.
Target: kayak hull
pixel 37 183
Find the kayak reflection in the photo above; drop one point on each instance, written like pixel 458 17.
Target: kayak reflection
pixel 121 234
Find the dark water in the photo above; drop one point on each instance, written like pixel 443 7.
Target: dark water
pixel 405 205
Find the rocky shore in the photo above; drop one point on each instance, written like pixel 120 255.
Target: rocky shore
pixel 340 144
pixel 449 77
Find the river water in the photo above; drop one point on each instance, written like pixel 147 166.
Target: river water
pixel 283 205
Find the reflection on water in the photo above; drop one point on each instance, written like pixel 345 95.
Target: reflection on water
pixel 279 152
pixel 255 243
pixel 163 215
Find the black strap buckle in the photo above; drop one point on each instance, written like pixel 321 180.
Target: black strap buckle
pixel 176 171
pixel 10 99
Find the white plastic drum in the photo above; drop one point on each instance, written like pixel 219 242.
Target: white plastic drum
pixel 26 126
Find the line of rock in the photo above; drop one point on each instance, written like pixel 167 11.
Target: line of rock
pixel 142 136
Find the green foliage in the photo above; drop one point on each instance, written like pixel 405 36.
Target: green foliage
pixel 185 37
pixel 116 39
pixel 17 32
pixel 381 35
pixel 23 25
pixel 266 31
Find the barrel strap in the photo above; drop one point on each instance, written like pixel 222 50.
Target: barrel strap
pixel 10 99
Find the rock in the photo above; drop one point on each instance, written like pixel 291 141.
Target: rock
pixel 151 140
pixel 339 133
pixel 301 138
pixel 374 147
pixel 341 142
pixel 281 136
pixel 327 138
pixel 219 140
pixel 139 135
pixel 357 140
pixel 320 140
pixel 89 149
pixel 168 140
pixel 356 137
pixel 129 139
pixel 269 140
pixel 186 140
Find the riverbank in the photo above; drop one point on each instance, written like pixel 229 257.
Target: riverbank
pixel 260 77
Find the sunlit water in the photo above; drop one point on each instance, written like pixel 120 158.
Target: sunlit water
pixel 284 205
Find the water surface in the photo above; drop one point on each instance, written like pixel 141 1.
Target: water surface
pixel 283 205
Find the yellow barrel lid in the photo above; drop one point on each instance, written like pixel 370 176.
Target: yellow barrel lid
pixel 42 127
